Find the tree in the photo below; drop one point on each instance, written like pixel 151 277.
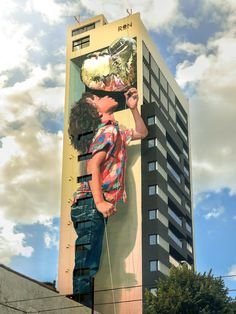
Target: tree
pixel 187 292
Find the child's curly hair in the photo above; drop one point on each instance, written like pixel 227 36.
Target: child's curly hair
pixel 84 119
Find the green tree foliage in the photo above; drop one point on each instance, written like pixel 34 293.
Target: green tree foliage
pixel 187 292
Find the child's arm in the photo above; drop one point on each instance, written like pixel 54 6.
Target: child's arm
pixel 93 167
pixel 132 102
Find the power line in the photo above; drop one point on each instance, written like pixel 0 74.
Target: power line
pixel 100 290
pixel 77 306
pixel 70 307
pixel 66 295
pixel 12 307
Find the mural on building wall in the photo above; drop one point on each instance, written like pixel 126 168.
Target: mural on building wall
pixel 110 77
pixel 113 68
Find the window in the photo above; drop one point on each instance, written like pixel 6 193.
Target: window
pixel 185 153
pixel 175 238
pixel 151 120
pixel 163 268
pixel 153 265
pixel 162 218
pixel 151 142
pixel 180 112
pixel 164 113
pixel 154 67
pixel 186 171
pixel 174 194
pixel 163 243
pixel 85 178
pixel 154 120
pixel 145 52
pixel 186 189
pixel 152 165
pixel 171 94
pixel 182 132
pixel 152 189
pixel 152 214
pixel 173 150
pixel 161 148
pixel 154 99
pixel 172 124
pixel 163 100
pixel 187 207
pixel 162 171
pixel 155 190
pixel 81 43
pixel 154 85
pixel 156 214
pixel 160 126
pixel 83 225
pixel 157 265
pixel 189 248
pixel 174 216
pixel 172 112
pixel 188 227
pixel 173 261
pixel 82 247
pixel 146 92
pixel 81 272
pixel 174 173
pixel 145 72
pixel 163 195
pixel 163 81
pixel 153 239
pixel 85 156
pixel 83 29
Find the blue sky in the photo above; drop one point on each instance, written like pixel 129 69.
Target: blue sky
pixel 197 41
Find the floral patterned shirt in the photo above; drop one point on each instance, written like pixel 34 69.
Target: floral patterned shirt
pixel 113 140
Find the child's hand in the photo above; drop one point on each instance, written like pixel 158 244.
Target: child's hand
pixel 106 208
pixel 131 97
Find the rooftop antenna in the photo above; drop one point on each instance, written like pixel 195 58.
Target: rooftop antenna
pixel 77 18
pixel 129 11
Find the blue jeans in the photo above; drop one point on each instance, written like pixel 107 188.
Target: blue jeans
pixel 89 225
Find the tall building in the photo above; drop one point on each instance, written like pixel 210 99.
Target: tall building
pixel 154 230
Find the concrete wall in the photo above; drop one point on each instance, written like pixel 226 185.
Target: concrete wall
pixel 14 286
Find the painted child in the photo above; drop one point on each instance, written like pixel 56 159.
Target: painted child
pixel 96 200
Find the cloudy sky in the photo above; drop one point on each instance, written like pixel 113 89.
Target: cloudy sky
pixel 197 40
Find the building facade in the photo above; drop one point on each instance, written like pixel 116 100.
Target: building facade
pixel 154 230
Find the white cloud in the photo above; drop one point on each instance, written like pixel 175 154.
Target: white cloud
pixel 30 157
pixel 53 12
pixel 224 13
pixel 232 272
pixel 189 48
pixel 30 163
pixel 11 242
pixel 31 175
pixel 51 237
pixel 15 42
pixel 187 72
pixel 15 45
pixel 212 113
pixel 167 14
pixel 215 213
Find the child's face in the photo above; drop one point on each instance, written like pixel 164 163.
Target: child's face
pixel 104 104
